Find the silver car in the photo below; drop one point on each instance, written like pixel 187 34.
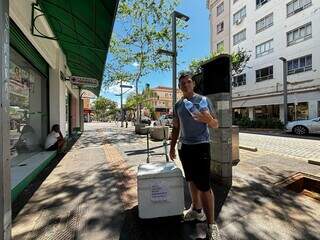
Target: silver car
pixel 303 127
pixel 165 120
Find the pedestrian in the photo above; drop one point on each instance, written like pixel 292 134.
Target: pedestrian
pixel 54 140
pixel 194 153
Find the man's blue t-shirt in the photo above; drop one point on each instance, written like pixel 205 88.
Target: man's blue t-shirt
pixel 192 131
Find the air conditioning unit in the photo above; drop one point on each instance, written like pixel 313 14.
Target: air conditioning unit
pixel 239 21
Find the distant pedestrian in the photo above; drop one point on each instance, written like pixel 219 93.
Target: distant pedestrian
pixel 194 153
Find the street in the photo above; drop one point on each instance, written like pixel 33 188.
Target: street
pixel 291 146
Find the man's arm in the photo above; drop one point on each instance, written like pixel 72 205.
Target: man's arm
pixel 60 135
pixel 208 118
pixel 174 137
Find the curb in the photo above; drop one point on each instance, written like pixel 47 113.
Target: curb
pixel 252 149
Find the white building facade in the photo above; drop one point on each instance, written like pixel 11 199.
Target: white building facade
pixel 268 30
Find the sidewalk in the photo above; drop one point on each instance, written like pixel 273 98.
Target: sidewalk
pixel 91 194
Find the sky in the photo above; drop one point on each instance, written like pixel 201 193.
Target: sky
pixel 198 46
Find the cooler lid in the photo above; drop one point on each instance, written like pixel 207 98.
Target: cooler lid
pixel 151 170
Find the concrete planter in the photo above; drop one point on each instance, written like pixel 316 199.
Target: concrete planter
pixel 141 129
pixel 159 133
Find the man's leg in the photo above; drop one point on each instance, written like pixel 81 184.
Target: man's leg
pixel 195 196
pixel 207 200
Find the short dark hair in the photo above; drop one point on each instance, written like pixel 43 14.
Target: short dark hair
pixel 184 74
pixel 54 127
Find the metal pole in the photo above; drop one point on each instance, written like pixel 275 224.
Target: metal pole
pixel 174 61
pixel 138 105
pixel 121 103
pixel 285 92
pixel 5 184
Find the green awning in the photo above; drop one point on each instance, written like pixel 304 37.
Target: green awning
pixel 83 29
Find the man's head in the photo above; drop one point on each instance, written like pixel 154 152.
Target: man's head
pixel 56 128
pixel 186 84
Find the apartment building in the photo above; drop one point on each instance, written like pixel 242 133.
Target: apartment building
pixel 268 30
pixel 162 100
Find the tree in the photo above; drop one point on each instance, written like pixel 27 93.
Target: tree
pixel 239 61
pixel 142 100
pixel 104 108
pixel 144 26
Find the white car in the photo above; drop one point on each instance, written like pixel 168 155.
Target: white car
pixel 303 127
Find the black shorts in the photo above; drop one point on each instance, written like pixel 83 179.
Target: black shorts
pixel 53 147
pixel 195 161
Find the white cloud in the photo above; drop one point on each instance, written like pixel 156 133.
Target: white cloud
pixel 116 89
pixel 135 64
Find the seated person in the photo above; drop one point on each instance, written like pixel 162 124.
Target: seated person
pixel 28 141
pixel 54 139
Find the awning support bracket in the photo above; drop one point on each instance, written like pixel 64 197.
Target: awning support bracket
pixel 34 30
pixel 37 33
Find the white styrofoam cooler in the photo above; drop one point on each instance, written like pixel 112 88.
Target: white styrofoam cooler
pixel 160 190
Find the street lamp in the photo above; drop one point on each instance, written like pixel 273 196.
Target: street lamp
pixel 173 52
pixel 121 94
pixel 285 91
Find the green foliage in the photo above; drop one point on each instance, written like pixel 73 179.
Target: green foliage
pixel 239 60
pixel 144 26
pixel 141 99
pixel 105 108
pixel 271 123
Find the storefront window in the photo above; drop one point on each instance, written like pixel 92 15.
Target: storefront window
pixel 28 112
pixel 298 112
pixel 240 113
pixel 267 111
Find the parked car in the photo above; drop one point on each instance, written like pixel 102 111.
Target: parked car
pixel 303 127
pixel 146 120
pixel 165 120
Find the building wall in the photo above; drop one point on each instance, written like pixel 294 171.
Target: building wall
pixel 163 99
pixel 86 103
pixel 302 87
pixel 215 19
pixel 20 12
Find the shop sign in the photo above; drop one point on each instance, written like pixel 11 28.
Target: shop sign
pixel 83 81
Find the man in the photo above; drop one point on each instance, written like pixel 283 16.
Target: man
pixel 54 139
pixel 194 153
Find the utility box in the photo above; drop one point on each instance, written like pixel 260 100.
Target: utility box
pixel 214 82
pixel 160 190
pixel 235 145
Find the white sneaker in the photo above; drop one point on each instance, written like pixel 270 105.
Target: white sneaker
pixel 213 232
pixel 191 215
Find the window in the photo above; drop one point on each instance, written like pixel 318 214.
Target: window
pixel 220 46
pixel 299 34
pixel 301 64
pixel 220 27
pixel 296 6
pixel 239 16
pixel 220 8
pixel 239 80
pixel 264 74
pixel 239 37
pixel 300 111
pixel 260 3
pixel 264 48
pixel 264 23
pixel 28 111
